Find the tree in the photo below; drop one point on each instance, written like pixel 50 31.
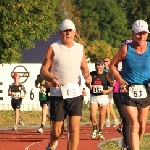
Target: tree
pixel 135 10
pixel 99 49
pixel 21 23
pixel 103 20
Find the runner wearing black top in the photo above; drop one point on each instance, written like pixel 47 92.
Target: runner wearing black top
pixel 17 92
pixel 99 89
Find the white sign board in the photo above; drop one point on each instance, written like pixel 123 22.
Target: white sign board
pixel 28 74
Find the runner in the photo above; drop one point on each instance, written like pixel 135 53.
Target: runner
pixel 124 126
pixel 66 58
pixel 135 80
pixel 109 107
pixel 99 89
pixel 40 83
pixel 17 92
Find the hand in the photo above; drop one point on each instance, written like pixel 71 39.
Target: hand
pixel 112 84
pixel 123 85
pixel 88 79
pixel 12 93
pixel 55 82
pixel 105 92
pixel 84 93
pixel 22 97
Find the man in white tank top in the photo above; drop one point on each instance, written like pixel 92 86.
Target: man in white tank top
pixel 66 59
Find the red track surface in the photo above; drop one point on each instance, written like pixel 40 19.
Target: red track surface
pixel 31 140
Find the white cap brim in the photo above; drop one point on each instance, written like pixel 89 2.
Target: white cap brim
pixel 62 28
pixel 140 30
pixel 67 24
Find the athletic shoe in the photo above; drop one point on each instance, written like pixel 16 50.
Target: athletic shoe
pixel 21 122
pixel 100 136
pixel 107 123
pixel 14 128
pixel 126 148
pixel 116 122
pixel 48 147
pixel 65 129
pixel 93 134
pixel 120 130
pixel 40 130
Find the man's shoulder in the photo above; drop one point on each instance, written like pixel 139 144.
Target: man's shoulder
pixel 78 44
pixel 56 43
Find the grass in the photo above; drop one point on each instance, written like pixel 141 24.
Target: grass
pixel 29 117
pixel 144 145
pixel 34 117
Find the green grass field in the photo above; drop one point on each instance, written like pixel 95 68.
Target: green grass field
pixel 113 145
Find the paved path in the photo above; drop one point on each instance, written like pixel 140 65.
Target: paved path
pixel 29 139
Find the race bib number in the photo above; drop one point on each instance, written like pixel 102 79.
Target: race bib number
pixel 70 90
pixel 137 91
pixel 97 88
pixel 16 95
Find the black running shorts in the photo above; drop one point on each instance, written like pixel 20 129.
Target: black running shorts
pixel 139 103
pixel 60 108
pixel 16 103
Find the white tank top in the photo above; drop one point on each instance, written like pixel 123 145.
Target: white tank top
pixel 66 64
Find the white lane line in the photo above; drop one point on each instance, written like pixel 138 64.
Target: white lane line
pixel 27 147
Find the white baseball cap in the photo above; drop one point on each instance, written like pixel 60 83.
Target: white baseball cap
pixel 67 24
pixel 140 26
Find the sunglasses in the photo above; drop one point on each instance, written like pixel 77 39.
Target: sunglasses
pixel 105 61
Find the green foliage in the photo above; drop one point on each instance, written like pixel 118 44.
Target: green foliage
pixel 113 23
pixel 21 23
pixel 99 49
pixel 102 20
pixel 135 10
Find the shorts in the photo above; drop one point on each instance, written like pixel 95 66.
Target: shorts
pixel 16 103
pixel 43 102
pixel 47 94
pixel 60 108
pixel 139 103
pixel 101 100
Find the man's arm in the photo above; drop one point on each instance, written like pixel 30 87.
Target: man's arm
pixel 84 66
pixel 85 70
pixel 9 90
pixel 121 54
pixel 44 71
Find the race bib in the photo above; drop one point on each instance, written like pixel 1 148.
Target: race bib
pixel 137 91
pixel 16 95
pixel 97 88
pixel 70 90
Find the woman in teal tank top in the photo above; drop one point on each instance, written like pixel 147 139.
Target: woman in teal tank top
pixel 135 80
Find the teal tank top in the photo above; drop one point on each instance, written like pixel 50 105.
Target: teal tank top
pixel 136 67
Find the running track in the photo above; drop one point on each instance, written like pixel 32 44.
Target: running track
pixel 29 139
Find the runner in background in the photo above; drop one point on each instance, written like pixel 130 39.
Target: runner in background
pixel 109 107
pixel 99 89
pixel 40 83
pixel 17 92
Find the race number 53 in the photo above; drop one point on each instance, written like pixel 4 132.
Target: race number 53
pixel 97 88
